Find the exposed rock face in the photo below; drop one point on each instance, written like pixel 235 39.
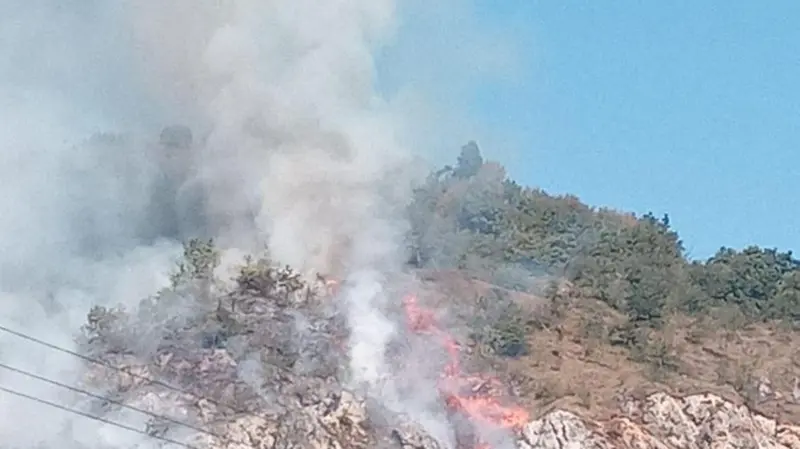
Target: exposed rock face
pixel 260 368
pixel 319 414
pixel 665 422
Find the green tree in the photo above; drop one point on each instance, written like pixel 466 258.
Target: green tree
pixel 460 214
pixel 749 279
pixel 469 161
pixel 638 269
pixel 785 305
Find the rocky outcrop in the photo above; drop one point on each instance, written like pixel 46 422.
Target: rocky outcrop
pixel 260 368
pixel 316 413
pixel 661 421
pixel 340 420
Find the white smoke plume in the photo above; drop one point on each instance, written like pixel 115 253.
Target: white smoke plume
pixel 297 137
pixel 294 149
pixel 70 209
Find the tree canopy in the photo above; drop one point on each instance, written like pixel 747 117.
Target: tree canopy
pixel 471 216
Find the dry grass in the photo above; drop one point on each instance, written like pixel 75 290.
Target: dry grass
pixel 572 366
pixel 578 367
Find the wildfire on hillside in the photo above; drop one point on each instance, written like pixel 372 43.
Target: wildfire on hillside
pixel 332 286
pixel 469 396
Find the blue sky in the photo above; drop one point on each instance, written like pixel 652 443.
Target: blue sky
pixel 687 108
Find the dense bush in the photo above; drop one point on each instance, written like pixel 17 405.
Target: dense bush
pixel 501 326
pixel 471 216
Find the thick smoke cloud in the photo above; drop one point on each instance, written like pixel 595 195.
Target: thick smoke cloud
pixel 70 209
pixel 297 138
pixel 291 147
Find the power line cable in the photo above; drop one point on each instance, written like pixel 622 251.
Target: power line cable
pixel 96 418
pixel 122 370
pixel 109 400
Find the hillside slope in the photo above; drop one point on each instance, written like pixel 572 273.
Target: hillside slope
pixel 261 363
pixel 523 319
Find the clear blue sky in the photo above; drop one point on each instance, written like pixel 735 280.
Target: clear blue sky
pixel 684 107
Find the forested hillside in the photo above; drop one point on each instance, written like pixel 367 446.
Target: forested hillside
pixel 471 216
pixel 558 310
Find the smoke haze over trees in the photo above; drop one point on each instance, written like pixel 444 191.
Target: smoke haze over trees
pixel 470 216
pixel 129 128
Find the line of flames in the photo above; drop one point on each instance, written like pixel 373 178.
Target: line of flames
pixel 461 392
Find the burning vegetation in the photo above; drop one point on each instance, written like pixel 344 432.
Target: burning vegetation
pixel 274 346
pixel 466 395
pixel 269 346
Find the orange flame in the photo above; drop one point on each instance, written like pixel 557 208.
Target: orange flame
pixel 332 286
pixel 470 395
pixel 463 393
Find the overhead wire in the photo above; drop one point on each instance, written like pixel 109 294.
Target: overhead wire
pixel 96 418
pixel 108 400
pixel 118 369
